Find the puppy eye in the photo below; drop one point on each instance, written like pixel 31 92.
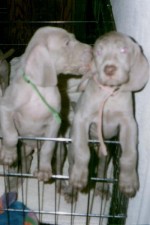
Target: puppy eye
pixel 124 50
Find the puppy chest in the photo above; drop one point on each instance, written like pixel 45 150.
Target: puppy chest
pixel 39 109
pixel 26 126
pixel 113 111
pixel 32 118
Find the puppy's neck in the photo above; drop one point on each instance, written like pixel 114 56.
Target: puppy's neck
pixel 107 89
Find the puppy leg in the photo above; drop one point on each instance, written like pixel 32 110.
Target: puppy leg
pixel 23 167
pixel 44 170
pixel 70 193
pixel 78 156
pixel 10 137
pixel 102 188
pixel 81 153
pixel 128 178
pixel 59 164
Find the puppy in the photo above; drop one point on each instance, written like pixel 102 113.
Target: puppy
pixel 31 104
pixel 119 69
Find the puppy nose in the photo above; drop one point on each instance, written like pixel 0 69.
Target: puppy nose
pixel 110 70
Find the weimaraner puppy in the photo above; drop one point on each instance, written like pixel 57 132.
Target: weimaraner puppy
pixel 119 69
pixel 31 104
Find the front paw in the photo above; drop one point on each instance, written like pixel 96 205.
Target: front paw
pixel 79 177
pixel 44 173
pixel 129 184
pixel 70 194
pixel 8 156
pixel 102 189
pixel 61 186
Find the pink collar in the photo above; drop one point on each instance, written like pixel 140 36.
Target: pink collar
pixel 109 92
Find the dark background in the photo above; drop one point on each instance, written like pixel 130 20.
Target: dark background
pixel 20 18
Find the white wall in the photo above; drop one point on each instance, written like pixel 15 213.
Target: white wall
pixel 133 18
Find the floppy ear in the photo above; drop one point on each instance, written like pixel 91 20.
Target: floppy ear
pixel 40 67
pixel 139 72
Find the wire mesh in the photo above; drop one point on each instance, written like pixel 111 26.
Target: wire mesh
pixel 97 209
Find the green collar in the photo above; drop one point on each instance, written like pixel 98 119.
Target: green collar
pixel 50 108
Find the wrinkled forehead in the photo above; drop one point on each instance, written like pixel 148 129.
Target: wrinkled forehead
pixel 112 40
pixel 52 36
pixel 59 37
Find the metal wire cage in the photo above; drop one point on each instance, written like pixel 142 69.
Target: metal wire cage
pixel 87 19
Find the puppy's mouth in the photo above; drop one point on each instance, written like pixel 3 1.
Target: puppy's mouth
pixel 113 81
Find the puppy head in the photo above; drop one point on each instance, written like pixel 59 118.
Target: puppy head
pixel 120 62
pixel 71 56
pixel 79 58
pixel 52 51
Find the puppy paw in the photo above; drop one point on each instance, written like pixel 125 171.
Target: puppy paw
pixel 129 185
pixel 79 177
pixel 102 189
pixel 70 194
pixel 44 173
pixel 60 186
pixel 8 157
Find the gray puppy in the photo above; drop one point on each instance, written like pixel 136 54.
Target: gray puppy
pixel 119 68
pixel 23 111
